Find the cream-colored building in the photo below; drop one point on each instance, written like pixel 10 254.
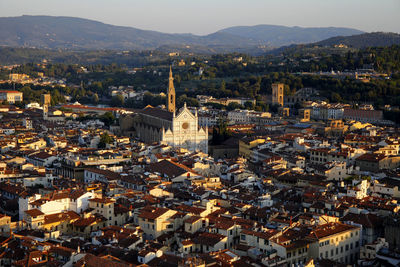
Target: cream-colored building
pixel 155 221
pixel 11 96
pixel 5 225
pixel 336 241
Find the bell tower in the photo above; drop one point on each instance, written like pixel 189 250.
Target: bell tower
pixel 171 93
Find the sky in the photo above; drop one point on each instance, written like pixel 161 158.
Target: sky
pixel 207 16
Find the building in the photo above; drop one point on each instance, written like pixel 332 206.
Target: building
pixel 248 117
pixel 11 96
pixel 362 115
pixel 155 221
pixel 178 129
pixel 277 93
pixel 373 162
pixel 305 114
pixel 5 225
pixel 335 241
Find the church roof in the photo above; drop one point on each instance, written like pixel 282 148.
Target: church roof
pixel 157 112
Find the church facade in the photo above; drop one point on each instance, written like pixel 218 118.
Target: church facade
pixel 168 126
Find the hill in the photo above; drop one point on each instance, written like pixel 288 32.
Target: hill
pixel 330 45
pixel 363 40
pixel 75 33
pixel 276 36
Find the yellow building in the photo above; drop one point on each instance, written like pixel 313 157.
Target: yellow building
pixel 155 221
pixel 246 144
pixel 5 225
pixel 106 208
pixel 18 77
pixel 305 114
pixel 59 222
pixel 11 96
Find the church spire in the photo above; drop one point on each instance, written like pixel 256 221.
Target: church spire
pixel 171 92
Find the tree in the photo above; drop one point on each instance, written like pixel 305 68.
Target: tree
pixel 117 101
pixel 220 132
pixel 249 105
pixel 108 118
pixel 105 139
pixel 95 98
pixel 233 106
pixel 335 97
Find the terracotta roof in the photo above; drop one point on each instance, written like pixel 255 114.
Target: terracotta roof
pixel 34 212
pixel 96 261
pixel 41 155
pixel 371 157
pixel 157 112
pixel 10 91
pixel 192 219
pixel 190 209
pixel 109 175
pixel 152 213
pixel 366 220
pixel 331 229
pixel 102 200
pixel 168 168
pixel 59 217
pixel 209 239
pixel 84 222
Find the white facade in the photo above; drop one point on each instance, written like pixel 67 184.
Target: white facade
pixel 247 116
pixel 54 206
pixel 186 133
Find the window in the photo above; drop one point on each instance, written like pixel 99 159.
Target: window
pixel 357 244
pixel 242 237
pixel 326 254
pixel 351 246
pixel 337 251
pixel 288 255
pixel 331 252
pixel 347 247
pixel 341 249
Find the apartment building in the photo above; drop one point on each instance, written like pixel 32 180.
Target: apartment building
pixel 335 241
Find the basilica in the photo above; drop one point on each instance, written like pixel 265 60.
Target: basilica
pixel 167 126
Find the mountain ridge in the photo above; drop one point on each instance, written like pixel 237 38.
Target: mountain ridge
pixel 51 32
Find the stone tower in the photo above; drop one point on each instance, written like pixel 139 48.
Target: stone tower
pixel 277 94
pixel 45 99
pixel 171 93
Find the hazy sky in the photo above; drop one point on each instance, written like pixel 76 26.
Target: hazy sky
pixel 206 16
